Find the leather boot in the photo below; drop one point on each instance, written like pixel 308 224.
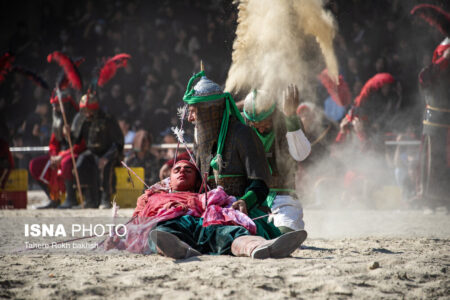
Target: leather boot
pixel 51 203
pixel 90 197
pixel 260 248
pixel 105 203
pixel 170 245
pixel 71 197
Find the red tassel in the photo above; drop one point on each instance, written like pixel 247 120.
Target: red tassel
pixel 373 84
pixel 69 67
pixel 435 16
pixel 339 93
pixel 110 67
pixel 6 62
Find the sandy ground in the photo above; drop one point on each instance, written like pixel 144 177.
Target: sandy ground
pixel 362 254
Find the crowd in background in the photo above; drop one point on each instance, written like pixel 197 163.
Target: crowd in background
pixel 167 40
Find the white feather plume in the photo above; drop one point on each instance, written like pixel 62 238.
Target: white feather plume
pixel 179 133
pixel 181 112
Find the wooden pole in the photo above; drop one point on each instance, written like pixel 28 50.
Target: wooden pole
pixel 77 178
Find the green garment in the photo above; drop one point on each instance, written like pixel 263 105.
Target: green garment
pixel 266 139
pixel 292 123
pixel 253 116
pixel 230 110
pixel 213 240
pixel 263 227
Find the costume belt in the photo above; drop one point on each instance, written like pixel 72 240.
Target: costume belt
pixel 437 117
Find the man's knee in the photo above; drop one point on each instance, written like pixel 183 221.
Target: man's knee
pixel 66 167
pixel 37 165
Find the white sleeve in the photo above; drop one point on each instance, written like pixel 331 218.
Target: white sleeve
pixel 299 146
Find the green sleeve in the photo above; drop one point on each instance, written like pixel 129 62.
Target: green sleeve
pixel 255 194
pixel 292 123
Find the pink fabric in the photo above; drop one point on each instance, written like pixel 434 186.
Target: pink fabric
pixel 162 206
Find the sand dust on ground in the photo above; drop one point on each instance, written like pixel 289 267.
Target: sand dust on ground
pixel 362 254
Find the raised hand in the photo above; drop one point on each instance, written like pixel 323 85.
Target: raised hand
pixel 291 100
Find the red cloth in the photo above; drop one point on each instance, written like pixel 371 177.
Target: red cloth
pixel 55 183
pixel 181 156
pixel 340 93
pixel 438 52
pixel 187 201
pixel 55 147
pixel 162 206
pixel 215 210
pixel 54 177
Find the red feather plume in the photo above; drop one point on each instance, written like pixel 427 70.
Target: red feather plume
pixel 63 82
pixel 340 93
pixel 372 85
pixel 69 67
pixel 6 62
pixel 434 15
pixel 110 67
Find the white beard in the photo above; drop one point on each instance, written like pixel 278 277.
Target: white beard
pixel 195 135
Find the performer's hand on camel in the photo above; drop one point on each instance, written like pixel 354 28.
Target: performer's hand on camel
pixel 240 205
pixel 291 100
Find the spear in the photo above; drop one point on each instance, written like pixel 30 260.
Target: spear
pixel 134 173
pixel 182 114
pixel 276 211
pixel 179 133
pixel 77 178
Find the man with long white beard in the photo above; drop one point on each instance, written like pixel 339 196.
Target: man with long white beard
pixel 228 151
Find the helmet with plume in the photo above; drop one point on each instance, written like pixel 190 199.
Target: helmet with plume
pixel 438 18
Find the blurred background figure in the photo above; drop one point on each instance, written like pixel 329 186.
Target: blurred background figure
pixel 141 156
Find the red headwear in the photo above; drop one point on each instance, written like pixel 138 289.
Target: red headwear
pixel 340 93
pixel 303 108
pixel 440 49
pixel 372 85
pixel 65 97
pixel 70 69
pixel 89 101
pixel 108 70
pixel 186 162
pixel 437 18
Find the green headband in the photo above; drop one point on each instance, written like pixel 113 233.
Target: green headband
pixel 254 117
pixel 230 109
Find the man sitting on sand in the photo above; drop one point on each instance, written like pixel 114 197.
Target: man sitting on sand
pixel 190 224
